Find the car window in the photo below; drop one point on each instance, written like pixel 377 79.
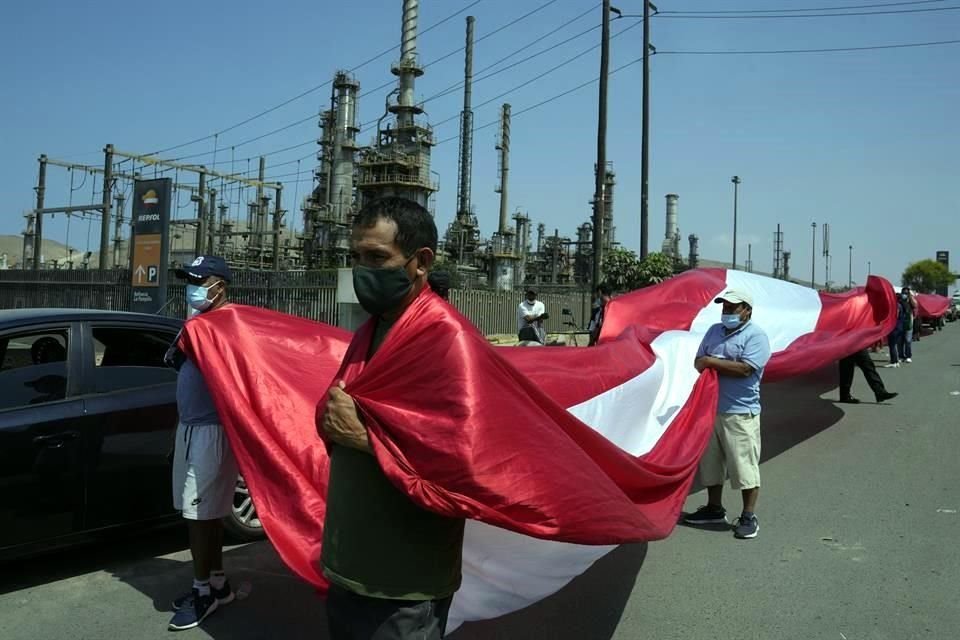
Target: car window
pixel 33 369
pixel 127 358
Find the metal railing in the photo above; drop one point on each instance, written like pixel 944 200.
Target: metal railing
pixel 308 294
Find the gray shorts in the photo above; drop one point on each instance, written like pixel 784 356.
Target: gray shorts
pixel 204 472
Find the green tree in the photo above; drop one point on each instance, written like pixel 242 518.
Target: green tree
pixel 655 268
pixel 621 270
pixel 927 276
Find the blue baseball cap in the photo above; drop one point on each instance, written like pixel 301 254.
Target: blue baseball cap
pixel 205 266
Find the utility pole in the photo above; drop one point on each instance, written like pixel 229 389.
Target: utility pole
pixel 749 264
pixel 645 137
pixel 255 236
pixel 277 215
pixel 107 202
pixel 38 222
pixel 118 230
pixel 598 195
pixel 869 269
pixel 813 257
pixel 210 221
pixel 850 269
pixel 199 242
pixel 736 183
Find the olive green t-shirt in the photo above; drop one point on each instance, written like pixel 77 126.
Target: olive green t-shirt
pixel 376 541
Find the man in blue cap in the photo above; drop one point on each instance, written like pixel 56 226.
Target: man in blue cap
pixel 204 468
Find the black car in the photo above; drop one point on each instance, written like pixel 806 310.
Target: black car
pixel 87 421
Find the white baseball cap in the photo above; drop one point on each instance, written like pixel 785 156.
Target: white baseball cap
pixel 735 297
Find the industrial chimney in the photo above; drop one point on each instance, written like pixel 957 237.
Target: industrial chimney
pixel 671 238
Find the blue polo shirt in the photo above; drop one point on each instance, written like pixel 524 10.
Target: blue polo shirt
pixel 747 344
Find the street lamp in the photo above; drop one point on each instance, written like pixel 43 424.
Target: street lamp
pixel 850 273
pixel 736 183
pixel 813 257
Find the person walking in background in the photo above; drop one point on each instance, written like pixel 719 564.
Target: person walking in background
pixel 738 350
pixel 895 339
pixel 530 316
pixel 599 309
pixel 910 321
pixel 862 360
pixel 439 281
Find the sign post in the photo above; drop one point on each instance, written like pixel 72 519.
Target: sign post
pixel 150 244
pixel 943 257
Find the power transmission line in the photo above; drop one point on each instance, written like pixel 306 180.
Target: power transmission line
pixel 365 126
pixel 315 88
pixel 314 115
pixel 825 50
pixel 717 16
pixel 846 8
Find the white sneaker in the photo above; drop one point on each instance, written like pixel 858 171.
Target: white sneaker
pixel 908 360
pixel 892 365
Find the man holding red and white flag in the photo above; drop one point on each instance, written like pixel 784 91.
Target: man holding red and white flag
pixel 738 350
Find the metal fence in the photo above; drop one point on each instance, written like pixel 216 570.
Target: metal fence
pixel 309 294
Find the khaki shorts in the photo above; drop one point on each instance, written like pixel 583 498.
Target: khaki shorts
pixel 734 449
pixel 204 472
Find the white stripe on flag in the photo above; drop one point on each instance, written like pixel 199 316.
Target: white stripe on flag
pixel 505 571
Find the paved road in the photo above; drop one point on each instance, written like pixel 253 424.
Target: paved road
pixel 858 540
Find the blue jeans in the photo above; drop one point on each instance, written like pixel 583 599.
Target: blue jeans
pixel 894 341
pixel 907 345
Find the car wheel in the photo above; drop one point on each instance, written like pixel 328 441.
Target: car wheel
pixel 242 524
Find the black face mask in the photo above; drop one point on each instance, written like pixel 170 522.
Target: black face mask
pixel 380 290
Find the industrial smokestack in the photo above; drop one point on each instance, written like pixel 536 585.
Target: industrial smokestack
pixel 504 148
pixel 408 69
pixel 466 130
pixel 694 257
pixel 345 145
pixel 671 239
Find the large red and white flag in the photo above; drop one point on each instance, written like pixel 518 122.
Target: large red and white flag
pixel 932 306
pixel 554 455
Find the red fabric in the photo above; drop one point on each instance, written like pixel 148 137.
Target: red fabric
pixel 266 371
pixel 931 306
pixel 848 322
pixel 452 422
pixel 473 431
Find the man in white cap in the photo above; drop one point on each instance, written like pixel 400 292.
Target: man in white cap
pixel 738 350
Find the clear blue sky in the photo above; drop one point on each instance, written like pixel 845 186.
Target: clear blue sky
pixel 866 141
